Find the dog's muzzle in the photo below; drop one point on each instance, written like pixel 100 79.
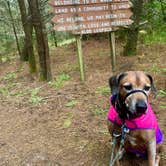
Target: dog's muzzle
pixel 140 106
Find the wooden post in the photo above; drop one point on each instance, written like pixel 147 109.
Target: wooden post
pixel 80 58
pixel 112 49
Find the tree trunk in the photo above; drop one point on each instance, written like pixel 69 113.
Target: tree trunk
pixel 54 36
pixel 0 58
pixel 42 42
pixel 14 29
pixel 163 10
pixel 28 46
pixel 132 33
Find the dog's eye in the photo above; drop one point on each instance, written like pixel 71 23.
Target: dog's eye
pixel 127 87
pixel 147 88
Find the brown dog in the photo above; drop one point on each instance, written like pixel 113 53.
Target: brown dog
pixel 130 106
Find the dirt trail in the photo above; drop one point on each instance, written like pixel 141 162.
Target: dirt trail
pixel 41 125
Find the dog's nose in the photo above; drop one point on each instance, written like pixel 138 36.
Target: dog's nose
pixel 141 106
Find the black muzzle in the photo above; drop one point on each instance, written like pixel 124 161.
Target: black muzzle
pixel 123 109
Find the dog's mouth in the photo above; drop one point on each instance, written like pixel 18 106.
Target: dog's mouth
pixel 135 108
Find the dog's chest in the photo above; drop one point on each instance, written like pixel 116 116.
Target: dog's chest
pixel 134 141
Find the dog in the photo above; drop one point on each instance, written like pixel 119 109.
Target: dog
pixel 130 105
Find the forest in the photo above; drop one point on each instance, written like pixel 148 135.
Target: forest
pixel 51 113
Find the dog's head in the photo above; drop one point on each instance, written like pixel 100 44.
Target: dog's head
pixel 133 88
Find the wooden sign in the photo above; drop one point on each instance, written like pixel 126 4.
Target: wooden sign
pixel 82 2
pixel 90 8
pixel 92 24
pixel 86 16
pixel 91 16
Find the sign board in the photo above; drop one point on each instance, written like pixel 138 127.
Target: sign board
pixel 90 16
pixel 82 2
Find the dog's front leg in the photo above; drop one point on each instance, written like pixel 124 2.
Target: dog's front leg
pixel 151 152
pixel 153 159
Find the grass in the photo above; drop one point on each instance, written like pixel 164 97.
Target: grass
pixel 9 76
pixel 71 103
pixel 162 93
pixel 66 42
pixel 104 90
pixel 163 70
pixel 34 97
pixel 70 67
pixel 4 91
pixel 156 69
pixel 163 105
pixel 104 132
pixel 67 123
pixel 68 120
pixel 156 37
pixel 20 94
pixel 100 112
pixel 59 80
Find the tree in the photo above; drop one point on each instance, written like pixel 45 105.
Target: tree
pixel 42 41
pixel 28 29
pixel 163 4
pixel 14 28
pixel 132 33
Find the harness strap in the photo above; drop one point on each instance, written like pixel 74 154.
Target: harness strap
pixel 124 131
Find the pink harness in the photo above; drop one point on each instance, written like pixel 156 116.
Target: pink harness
pixel 146 121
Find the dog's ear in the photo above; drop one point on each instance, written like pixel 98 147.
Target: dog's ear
pixel 153 88
pixel 114 83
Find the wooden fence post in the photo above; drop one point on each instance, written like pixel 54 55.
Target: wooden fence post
pixel 112 49
pixel 80 58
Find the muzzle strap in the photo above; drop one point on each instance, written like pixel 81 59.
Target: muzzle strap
pixel 135 91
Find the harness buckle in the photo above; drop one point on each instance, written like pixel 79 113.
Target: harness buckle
pixel 125 129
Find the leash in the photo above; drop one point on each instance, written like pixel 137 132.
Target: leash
pixel 124 131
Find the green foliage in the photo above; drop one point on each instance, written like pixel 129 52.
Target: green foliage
pixel 155 68
pixel 71 103
pixel 35 98
pixel 60 80
pixel 164 70
pixel 104 132
pixel 67 123
pixel 162 93
pixel 68 120
pixel 4 91
pixel 156 26
pixel 104 90
pixel 163 105
pixel 157 36
pixel 61 37
pixel 10 76
pixel 70 67
pixel 100 112
pixel 20 94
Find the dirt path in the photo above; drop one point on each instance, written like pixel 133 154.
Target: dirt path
pixel 63 123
